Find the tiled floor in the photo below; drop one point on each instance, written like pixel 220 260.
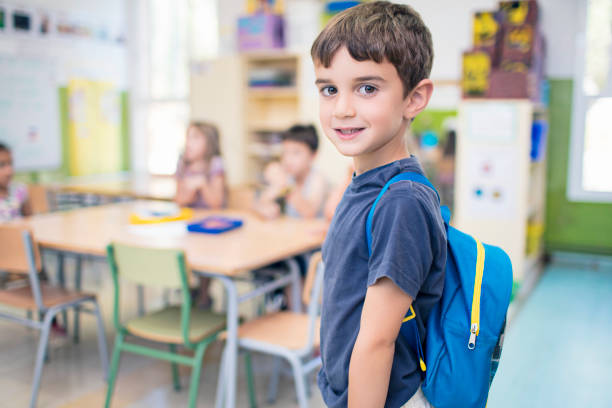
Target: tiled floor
pixel 557 354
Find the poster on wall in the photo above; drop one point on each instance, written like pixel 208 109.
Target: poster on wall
pixel 93 127
pixel 491 191
pixel 29 112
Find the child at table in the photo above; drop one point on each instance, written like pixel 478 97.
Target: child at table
pixel 294 187
pixel 14 201
pixel 200 174
pixel 200 179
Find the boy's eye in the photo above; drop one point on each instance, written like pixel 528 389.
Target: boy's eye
pixel 328 91
pixel 367 89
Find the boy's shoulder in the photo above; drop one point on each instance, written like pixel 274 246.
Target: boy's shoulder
pixel 409 197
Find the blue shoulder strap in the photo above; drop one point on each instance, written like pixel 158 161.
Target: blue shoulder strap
pixel 409 176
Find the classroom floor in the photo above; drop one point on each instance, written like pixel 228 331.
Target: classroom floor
pixel 73 376
pixel 557 353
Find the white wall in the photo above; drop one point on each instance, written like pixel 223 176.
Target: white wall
pixel 450 22
pixel 73 56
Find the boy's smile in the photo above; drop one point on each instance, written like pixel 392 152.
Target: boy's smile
pixel 363 110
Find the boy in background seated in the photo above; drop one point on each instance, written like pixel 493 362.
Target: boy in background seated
pixel 294 186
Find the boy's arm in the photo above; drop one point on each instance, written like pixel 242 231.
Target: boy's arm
pixel 185 192
pixel 214 191
pixel 309 207
pixel 383 310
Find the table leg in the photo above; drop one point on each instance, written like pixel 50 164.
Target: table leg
pixel 77 287
pixel 296 285
pixel 231 344
pixel 140 295
pixel 61 278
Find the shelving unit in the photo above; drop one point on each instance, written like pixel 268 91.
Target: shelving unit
pixel 252 111
pixel 500 191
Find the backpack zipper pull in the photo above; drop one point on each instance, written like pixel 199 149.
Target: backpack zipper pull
pixel 473 331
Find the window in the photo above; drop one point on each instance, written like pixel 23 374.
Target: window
pixel 591 144
pixel 170 35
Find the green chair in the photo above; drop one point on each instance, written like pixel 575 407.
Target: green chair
pixel 173 325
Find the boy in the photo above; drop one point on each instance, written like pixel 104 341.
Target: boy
pixel 294 183
pixel 371 64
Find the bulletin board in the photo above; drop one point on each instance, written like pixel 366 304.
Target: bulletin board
pixel 29 112
pixel 94 127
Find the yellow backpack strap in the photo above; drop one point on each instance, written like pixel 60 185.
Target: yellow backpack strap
pixel 475 320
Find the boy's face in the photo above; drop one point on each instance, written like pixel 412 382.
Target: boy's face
pixel 296 158
pixel 6 168
pixel 362 106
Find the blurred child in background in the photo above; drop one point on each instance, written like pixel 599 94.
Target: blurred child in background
pixel 14 201
pixel 200 179
pixel 294 187
pixel 200 174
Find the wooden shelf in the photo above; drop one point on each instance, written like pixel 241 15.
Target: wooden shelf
pixel 269 92
pixel 244 112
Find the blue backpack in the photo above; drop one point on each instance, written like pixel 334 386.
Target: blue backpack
pixel 465 328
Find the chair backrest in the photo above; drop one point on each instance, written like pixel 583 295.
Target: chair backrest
pixel 311 295
pixel 150 266
pixel 311 275
pixel 38 198
pixel 15 256
pixel 240 197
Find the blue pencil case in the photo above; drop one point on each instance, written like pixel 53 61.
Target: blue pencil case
pixel 214 225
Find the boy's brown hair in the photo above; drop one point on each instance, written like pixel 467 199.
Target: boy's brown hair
pixel 377 31
pixel 306 134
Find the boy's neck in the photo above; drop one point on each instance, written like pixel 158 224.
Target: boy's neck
pixel 388 153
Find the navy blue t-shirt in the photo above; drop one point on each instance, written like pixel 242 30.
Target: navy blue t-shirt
pixel 408 247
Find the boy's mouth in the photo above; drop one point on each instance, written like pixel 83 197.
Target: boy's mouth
pixel 348 133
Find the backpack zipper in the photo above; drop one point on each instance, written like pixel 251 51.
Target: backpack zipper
pixel 475 323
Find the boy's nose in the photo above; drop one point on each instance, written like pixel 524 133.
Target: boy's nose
pixel 344 107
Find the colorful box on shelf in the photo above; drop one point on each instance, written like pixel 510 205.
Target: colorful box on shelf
pixel 487 33
pixel 214 225
pixel 476 71
pixel 519 12
pixel 261 31
pixel 161 216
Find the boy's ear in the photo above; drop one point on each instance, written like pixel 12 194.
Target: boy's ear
pixel 418 98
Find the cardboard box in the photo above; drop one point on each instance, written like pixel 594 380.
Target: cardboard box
pixel 476 71
pixel 513 85
pixel 261 31
pixel 487 34
pixel 516 13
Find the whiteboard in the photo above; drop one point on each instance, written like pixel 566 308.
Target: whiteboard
pixel 29 112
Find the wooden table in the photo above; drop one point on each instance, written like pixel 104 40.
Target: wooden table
pixel 142 186
pixel 256 244
pixel 132 185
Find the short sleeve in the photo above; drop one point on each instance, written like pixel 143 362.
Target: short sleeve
pixel 21 193
pixel 406 236
pixel 216 167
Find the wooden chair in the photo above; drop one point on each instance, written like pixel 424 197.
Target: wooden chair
pixel 172 325
pixel 241 197
pixel 289 335
pixel 38 198
pixel 19 254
